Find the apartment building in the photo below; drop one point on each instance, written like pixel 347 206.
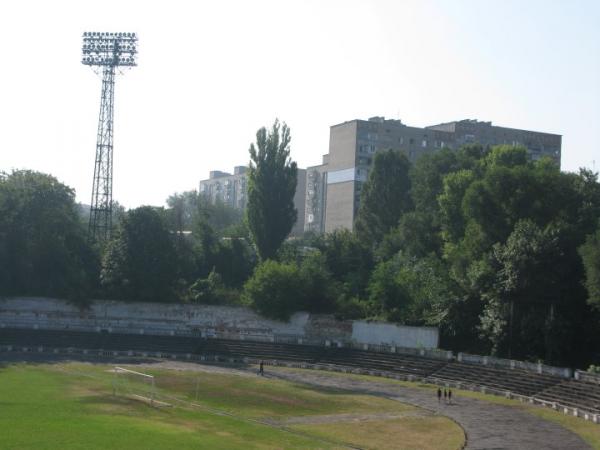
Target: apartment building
pixel 333 187
pixel 232 190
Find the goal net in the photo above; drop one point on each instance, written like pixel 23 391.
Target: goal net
pixel 136 385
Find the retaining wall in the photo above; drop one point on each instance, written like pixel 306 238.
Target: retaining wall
pixel 207 321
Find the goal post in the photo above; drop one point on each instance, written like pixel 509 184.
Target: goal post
pixel 134 384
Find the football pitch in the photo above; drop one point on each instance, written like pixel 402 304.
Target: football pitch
pixel 88 406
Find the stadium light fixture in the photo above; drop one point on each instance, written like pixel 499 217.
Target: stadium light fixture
pixel 109 51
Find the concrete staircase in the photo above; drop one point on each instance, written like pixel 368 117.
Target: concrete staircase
pixel 513 380
pixel 567 392
pixel 576 394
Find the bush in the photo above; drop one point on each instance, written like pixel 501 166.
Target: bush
pixel 274 290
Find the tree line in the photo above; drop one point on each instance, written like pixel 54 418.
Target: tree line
pixel 500 252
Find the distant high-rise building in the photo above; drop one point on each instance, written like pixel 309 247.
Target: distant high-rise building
pixel 232 190
pixel 333 188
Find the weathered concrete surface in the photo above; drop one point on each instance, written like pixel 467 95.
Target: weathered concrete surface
pixel 487 425
pixel 376 333
pixel 206 320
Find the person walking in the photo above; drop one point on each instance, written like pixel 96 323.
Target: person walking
pixel 450 396
pixel 261 369
pixel 439 394
pixel 445 396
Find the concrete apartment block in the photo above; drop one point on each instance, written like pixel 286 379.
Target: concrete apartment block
pixel 232 189
pixel 333 188
pixel 316 197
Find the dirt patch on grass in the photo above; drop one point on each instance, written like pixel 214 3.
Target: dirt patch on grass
pixel 344 418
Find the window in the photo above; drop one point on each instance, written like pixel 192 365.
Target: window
pixel 366 148
pixel 424 143
pixel 401 140
pixel 411 141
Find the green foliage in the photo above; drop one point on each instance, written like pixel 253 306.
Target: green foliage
pixel 272 182
pixel 279 289
pixel 348 260
pixel 274 290
pixel 498 234
pixel 387 292
pixel 414 291
pixel 43 248
pixel 450 201
pixel 593 369
pixel 416 235
pixel 427 178
pixel 140 261
pixel 318 287
pixel 590 255
pixel 529 274
pixel 234 260
pixel 385 196
pixel 189 207
pixel 212 291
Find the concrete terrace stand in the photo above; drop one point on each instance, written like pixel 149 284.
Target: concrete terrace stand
pixel 486 425
pixel 216 333
pixel 207 321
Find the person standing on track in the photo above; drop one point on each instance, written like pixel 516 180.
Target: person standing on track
pixel 439 394
pixel 261 370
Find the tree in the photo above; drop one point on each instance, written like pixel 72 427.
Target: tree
pixel 212 291
pixel 274 290
pixel 385 196
pixel 43 248
pixel 318 287
pixel 188 207
pixel 525 307
pixel 140 262
pixel 272 182
pixel 590 255
pixel 348 260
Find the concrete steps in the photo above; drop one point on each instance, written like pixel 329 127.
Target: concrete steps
pixel 576 394
pixel 514 380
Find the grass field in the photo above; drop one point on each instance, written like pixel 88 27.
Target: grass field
pixel 72 406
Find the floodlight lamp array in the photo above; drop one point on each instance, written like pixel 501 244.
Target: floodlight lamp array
pixel 109 49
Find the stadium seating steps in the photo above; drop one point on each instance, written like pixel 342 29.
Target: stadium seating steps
pixel 567 392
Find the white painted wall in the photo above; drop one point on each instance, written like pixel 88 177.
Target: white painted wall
pixel 400 335
pixel 205 320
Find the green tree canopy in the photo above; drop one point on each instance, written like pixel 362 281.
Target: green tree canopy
pixel 43 248
pixel 348 260
pixel 140 262
pixel 274 290
pixel 272 180
pixel 590 254
pixel 385 196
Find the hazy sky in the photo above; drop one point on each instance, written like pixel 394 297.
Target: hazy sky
pixel 211 73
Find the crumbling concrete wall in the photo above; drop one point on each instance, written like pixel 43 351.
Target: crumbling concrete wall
pixel 392 334
pixel 205 320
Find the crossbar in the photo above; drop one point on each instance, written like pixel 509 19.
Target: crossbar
pixel 121 369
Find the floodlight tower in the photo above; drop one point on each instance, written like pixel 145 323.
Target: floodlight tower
pixel 105 51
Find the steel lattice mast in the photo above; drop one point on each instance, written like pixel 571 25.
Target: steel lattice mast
pixel 108 51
